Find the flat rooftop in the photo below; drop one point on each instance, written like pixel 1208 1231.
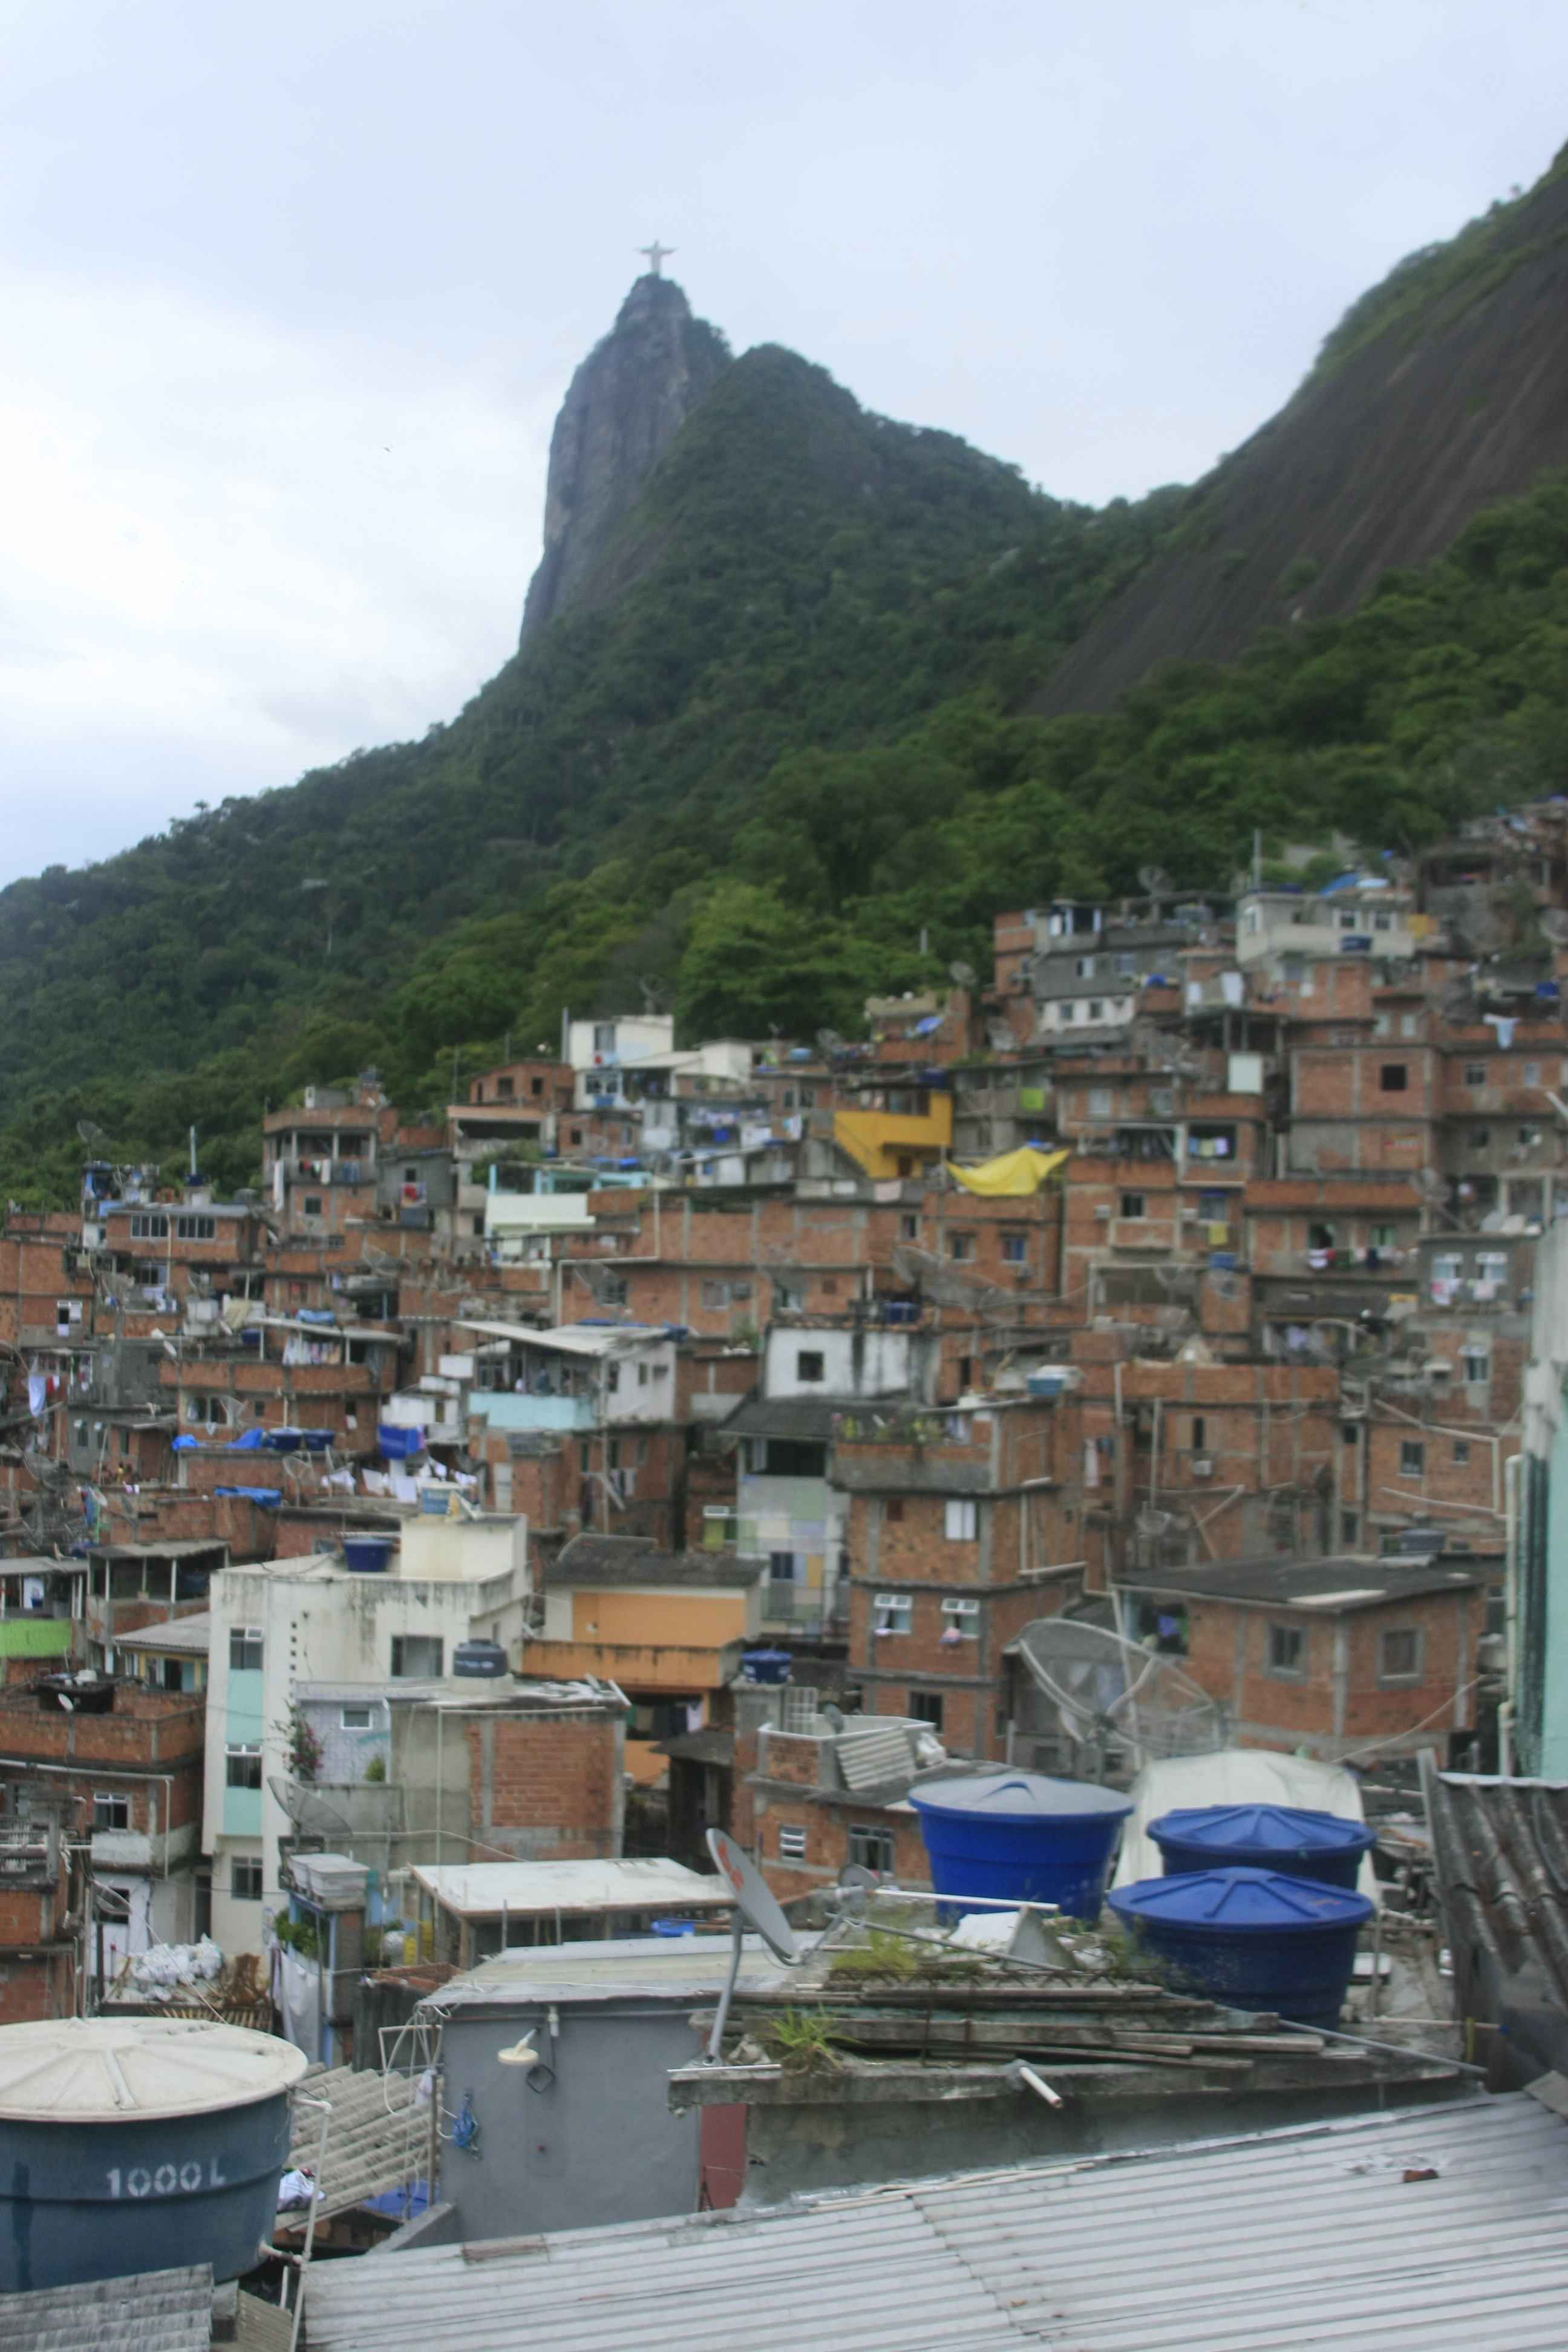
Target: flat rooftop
pixel 483 1890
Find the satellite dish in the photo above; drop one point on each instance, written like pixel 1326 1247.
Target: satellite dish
pixel 754 1899
pixel 962 973
pixel 89 1132
pixel 755 1905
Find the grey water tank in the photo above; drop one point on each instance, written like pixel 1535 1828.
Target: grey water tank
pixel 138 2144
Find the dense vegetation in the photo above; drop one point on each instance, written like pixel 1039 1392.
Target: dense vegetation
pixel 747 787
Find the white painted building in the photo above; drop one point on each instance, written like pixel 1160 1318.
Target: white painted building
pixel 282 1623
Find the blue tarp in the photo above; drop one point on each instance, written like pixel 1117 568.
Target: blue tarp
pixel 268 1496
pixel 397 1443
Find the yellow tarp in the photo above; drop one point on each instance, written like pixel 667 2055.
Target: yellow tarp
pixel 1013 1176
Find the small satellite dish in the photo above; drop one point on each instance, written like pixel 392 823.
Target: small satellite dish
pixel 754 1906
pixel 754 1898
pixel 517 2053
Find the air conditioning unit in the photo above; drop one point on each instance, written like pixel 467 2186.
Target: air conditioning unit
pixel 1103 1209
pixel 1203 1465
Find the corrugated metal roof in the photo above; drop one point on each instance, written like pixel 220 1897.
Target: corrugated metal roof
pixel 1292 2240
pixel 193 1633
pixel 1500 1850
pixel 1353 1581
pixel 664 1967
pixel 379 2137
pixel 160 2311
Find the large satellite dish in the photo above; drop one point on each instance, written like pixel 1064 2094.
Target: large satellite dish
pixel 754 1906
pixel 1093 1688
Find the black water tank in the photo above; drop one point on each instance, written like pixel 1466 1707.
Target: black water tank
pixel 482 1661
pixel 138 2144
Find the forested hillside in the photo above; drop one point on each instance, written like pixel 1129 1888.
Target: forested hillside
pixel 748 780
pixel 805 575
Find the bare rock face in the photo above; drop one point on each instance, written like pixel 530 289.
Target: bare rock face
pixel 624 407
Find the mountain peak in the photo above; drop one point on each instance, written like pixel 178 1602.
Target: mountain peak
pixel 623 408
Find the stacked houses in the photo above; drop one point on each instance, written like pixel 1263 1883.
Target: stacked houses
pixel 1180 1279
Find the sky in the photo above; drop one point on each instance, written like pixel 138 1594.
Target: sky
pixel 289 295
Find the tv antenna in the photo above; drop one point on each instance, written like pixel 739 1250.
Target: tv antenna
pixel 755 1905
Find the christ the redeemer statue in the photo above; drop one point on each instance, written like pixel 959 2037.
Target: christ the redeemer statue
pixel 657 254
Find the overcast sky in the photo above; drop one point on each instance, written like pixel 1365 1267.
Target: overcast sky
pixel 289 296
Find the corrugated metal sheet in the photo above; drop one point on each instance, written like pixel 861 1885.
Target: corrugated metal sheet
pixel 1276 2242
pixel 161 2311
pixel 1500 1851
pixel 379 2137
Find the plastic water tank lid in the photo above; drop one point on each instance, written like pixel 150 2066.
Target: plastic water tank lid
pixel 1240 1900
pixel 1016 1796
pixel 1272 1829
pixel 86 2070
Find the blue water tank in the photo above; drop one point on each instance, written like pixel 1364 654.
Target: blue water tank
pixel 766 1666
pixel 367 1555
pixel 1251 1938
pixel 479 1661
pixel 1021 1837
pixel 138 2144
pixel 1288 1838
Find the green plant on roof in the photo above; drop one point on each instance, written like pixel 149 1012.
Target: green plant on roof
pixel 376 1769
pixel 802 2040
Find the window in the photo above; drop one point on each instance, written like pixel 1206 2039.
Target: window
pixel 792 1841
pixel 211 1411
pixel 781 1567
pixel 715 1293
pixel 1407 1023
pixel 504 1088
pixel 1132 1204
pixel 245 1650
pixel 604 1036
pixel 577 1135
pixel 1126 965
pixel 354 1718
pixel 1475 1074
pixel 1532 1073
pixel 1200 1433
pixel 1015 1248
pixel 614 1290
pixel 536 1085
pixel 893 1509
pixel 1083 967
pixel 1461 1450
pixel 1287 1651
pixel 962 1617
pixel 1348 1433
pixel 1399 1653
pixel 1395 1077
pixel 416 1657
pixel 1099 1103
pixel 959 1519
pixel 245 1878
pixel 195 1229
pixel 1350 1528
pixel 1476 1365
pixel 1382 1026
pixel 1382 922
pixel 1380 1236
pixel 925 1706
pixel 311 1204
pixel 244 1764
pixel 891 1612
pixel 1096 1008
pixel 961 1245
pixel 1412 1458
pixel 1530 1137
pixel 1480 1139
pixel 873 1850
pixel 149 1229
pixel 1349 917
pixel 909 1225
pixel 808 1364
pixel 110 1813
